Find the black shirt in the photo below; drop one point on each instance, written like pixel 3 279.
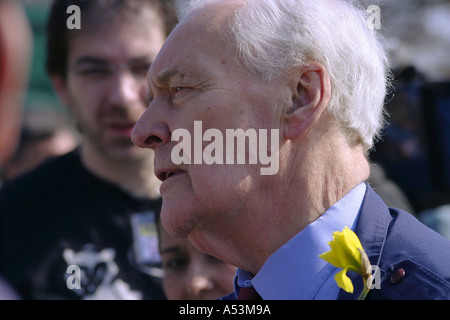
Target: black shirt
pixel 67 234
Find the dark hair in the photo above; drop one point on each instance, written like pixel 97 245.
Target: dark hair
pixel 58 35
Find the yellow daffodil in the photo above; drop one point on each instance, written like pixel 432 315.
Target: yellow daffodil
pixel 347 253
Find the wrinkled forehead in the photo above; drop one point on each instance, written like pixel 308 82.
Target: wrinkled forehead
pixel 202 37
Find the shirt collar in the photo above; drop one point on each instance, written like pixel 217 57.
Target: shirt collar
pixel 295 270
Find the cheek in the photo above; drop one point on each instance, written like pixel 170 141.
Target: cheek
pixel 84 105
pixel 220 187
pixel 222 195
pixel 173 287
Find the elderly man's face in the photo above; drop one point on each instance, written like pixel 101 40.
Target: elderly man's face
pixel 196 78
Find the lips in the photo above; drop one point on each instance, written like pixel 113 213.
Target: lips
pixel 118 126
pixel 165 174
pixel 123 129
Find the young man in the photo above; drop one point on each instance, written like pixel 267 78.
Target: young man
pixel 314 74
pixel 81 226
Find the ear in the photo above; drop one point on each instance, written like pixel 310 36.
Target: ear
pixel 311 90
pixel 60 87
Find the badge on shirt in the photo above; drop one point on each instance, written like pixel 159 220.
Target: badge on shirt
pixel 145 238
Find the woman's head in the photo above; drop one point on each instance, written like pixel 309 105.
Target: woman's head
pixel 190 274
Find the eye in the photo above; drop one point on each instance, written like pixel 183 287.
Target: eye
pixel 176 90
pixel 175 263
pixel 93 71
pixel 140 69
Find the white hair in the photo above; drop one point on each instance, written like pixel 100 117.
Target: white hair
pixel 273 36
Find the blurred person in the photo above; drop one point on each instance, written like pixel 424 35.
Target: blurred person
pixel 16 46
pixel 388 190
pixel 190 274
pixel 44 134
pixel 437 218
pixel 15 56
pixel 320 89
pixel 75 227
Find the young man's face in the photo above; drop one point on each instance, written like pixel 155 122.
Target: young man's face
pixel 106 82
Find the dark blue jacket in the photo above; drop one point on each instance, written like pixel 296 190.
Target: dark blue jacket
pixel 414 260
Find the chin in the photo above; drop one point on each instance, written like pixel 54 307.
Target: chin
pixel 176 218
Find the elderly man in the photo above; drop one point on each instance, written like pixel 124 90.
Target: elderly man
pixel 316 74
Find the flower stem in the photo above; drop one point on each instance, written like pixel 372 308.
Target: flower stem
pixel 364 293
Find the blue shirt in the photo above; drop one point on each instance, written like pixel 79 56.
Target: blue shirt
pixel 295 271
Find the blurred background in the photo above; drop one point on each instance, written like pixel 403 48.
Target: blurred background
pixel 47 128
pixel 415 150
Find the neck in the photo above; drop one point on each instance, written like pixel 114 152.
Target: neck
pixel 132 174
pixel 329 167
pixel 320 170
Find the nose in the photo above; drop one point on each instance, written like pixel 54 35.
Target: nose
pixel 151 131
pixel 126 90
pixel 199 283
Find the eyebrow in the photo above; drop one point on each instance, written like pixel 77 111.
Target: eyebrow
pixel 170 249
pixel 168 75
pixel 89 60
pixel 98 60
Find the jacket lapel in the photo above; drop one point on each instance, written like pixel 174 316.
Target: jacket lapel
pixel 372 227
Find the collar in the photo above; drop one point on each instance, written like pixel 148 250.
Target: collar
pixel 372 227
pixel 295 270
